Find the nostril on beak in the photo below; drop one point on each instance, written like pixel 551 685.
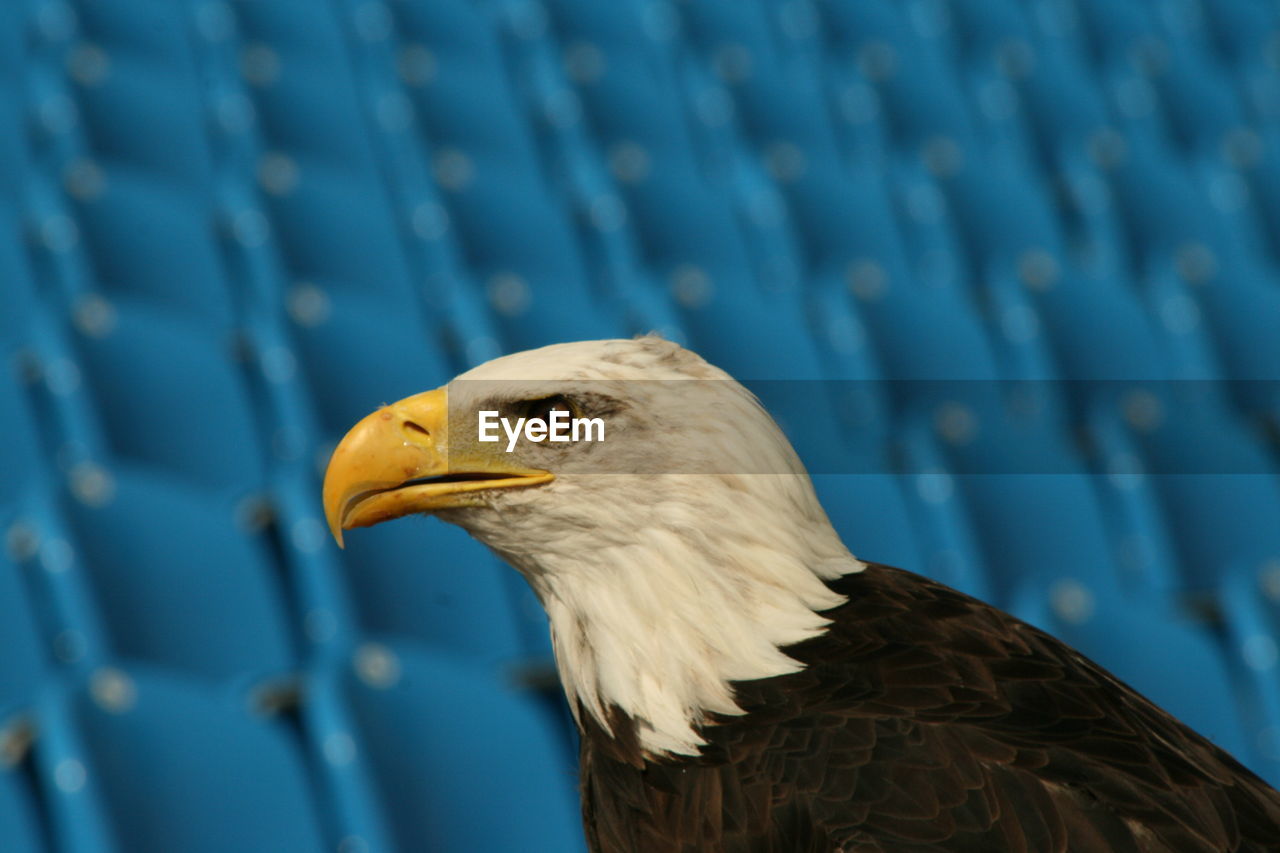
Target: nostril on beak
pixel 415 432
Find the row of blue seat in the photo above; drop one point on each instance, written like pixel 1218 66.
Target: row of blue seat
pixel 232 464
pixel 391 749
pixel 502 273
pixel 122 588
pixel 177 622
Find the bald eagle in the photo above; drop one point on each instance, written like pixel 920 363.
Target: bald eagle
pixel 741 681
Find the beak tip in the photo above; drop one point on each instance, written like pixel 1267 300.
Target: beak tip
pixel 335 529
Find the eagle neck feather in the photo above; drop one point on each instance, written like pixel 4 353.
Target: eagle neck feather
pixel 657 629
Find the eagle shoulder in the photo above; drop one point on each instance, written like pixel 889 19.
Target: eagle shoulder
pixel 925 720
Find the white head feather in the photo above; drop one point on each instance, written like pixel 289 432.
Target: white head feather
pixel 662 587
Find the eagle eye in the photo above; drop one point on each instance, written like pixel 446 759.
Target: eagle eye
pixel 542 409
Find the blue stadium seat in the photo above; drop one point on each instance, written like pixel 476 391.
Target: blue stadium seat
pixel 302 87
pixel 1221 243
pixel 1244 32
pixel 309 39
pixel 1003 214
pixel 1076 140
pixel 139 110
pixel 1129 53
pixel 689 239
pixel 625 88
pixel 845 227
pixel 1219 487
pixel 935 358
pixel 1191 259
pixel 736 37
pixel 336 230
pixel 653 156
pixel 1032 503
pixel 1163 209
pixel 1202 106
pixel 359 352
pixel 1187 27
pixel 1116 29
pixel 945 535
pixel 23 661
pixel 857 117
pixel 170 396
pixel 1044 526
pixel 934 251
pixel 785 119
pixel 430 582
pixel 412 741
pixel 1008 227
pixel 1062 98
pixel 870 513
pixel 453 67
pixel 136 760
pixel 20 830
pixel 926 337
pixel 1183 432
pixel 1081 312
pixel 1238 304
pixel 1250 598
pixel 145 28
pixel 1179 309
pixel 1132 363
pixel 1145 551
pixel 526 256
pixel 146 236
pixel 1241 29
pixel 844 219
pixel 580 168
pixel 1004 132
pixel 922 100
pixel 1145 647
pixel 990 30
pixel 169 570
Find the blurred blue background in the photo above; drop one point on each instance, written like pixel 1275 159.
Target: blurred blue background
pixel 230 229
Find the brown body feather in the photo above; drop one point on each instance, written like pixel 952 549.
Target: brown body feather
pixel 926 721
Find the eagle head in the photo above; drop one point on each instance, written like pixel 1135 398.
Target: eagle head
pixel 677 544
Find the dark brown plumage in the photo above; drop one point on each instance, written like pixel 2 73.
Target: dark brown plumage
pixel 928 721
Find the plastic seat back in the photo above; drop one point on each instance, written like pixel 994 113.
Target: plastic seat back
pixel 141 761
pixel 179 583
pixel 430 582
pixel 171 397
pixel 439 744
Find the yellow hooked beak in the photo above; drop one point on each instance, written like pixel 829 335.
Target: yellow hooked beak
pixel 397 461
